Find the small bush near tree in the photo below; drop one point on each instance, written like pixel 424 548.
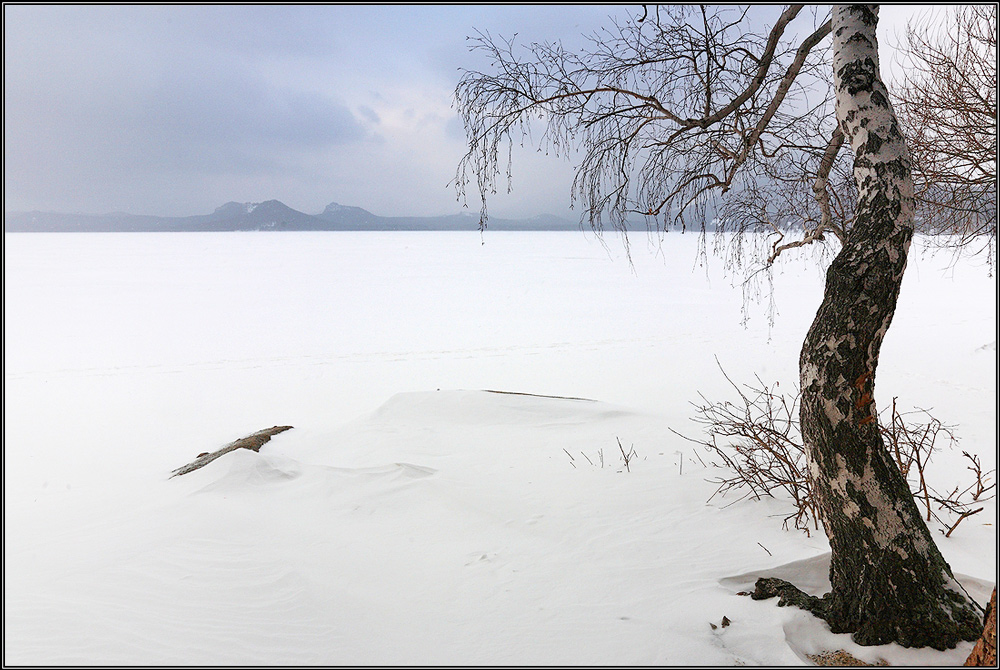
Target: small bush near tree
pixel 756 440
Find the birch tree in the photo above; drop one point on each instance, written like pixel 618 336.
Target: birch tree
pixel 679 109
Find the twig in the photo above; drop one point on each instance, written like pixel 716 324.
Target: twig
pixel 964 514
pixel 625 456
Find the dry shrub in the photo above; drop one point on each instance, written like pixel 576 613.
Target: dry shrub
pixel 756 440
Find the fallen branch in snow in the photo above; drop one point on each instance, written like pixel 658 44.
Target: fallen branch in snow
pixel 253 442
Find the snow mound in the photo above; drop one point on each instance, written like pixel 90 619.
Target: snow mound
pixel 243 470
pixel 444 528
pixel 809 574
pixel 487 408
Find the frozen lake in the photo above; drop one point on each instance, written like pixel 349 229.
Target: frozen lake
pixel 157 337
pixel 147 339
pixel 127 354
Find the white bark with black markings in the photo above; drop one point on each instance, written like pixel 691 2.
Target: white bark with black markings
pixel 890 582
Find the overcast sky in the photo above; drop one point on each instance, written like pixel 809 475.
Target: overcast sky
pixel 175 110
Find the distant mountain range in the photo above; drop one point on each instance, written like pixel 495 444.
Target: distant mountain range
pixel 269 215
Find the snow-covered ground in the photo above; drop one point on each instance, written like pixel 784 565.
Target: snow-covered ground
pixel 412 516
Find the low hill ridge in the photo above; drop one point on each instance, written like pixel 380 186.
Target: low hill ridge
pixel 268 215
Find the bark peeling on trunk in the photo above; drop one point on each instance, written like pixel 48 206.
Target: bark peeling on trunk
pixel 889 581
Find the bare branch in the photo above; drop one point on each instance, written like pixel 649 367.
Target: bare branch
pixel 662 114
pixel 948 109
pixel 757 442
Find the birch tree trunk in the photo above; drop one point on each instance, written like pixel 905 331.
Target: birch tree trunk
pixel 889 581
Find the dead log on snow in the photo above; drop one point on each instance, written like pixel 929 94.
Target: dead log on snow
pixel 253 442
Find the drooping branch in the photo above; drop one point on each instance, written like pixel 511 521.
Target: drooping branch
pixel 793 70
pixel 823 179
pixel 764 64
pixel 662 114
pixel 822 194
